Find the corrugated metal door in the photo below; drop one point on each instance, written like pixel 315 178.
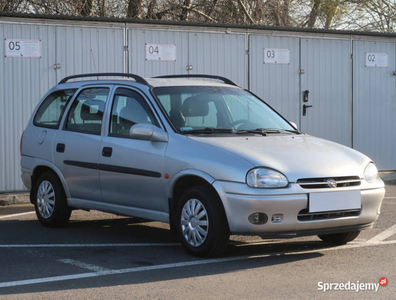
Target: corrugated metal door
pixel 374 104
pixel 137 40
pixel 277 84
pixel 219 54
pixel 326 75
pixel 89 50
pixel 23 82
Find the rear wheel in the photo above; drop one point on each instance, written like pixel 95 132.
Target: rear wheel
pixel 201 222
pixel 50 201
pixel 339 238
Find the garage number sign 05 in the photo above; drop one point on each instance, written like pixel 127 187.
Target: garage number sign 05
pixel 160 52
pixel 22 48
pixel 376 60
pixel 276 56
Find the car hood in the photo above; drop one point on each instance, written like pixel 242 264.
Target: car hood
pixel 296 156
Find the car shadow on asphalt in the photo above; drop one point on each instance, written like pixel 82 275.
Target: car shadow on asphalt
pixel 243 255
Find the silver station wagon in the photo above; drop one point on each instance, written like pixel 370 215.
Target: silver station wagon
pixel 195 151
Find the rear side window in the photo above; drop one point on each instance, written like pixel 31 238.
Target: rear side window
pixel 86 113
pixel 51 110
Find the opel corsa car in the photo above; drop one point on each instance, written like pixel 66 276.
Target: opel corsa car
pixel 195 151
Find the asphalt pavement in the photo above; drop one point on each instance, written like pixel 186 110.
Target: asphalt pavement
pixel 103 256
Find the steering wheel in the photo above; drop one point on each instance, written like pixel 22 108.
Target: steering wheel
pixel 241 121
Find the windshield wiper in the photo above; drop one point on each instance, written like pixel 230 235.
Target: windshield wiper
pixel 208 130
pixel 292 131
pixel 261 131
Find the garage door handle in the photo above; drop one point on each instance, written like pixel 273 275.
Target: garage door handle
pixel 305 109
pixel 107 151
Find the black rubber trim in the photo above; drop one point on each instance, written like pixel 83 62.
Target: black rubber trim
pixel 112 168
pixel 313 231
pixel 81 164
pixel 125 170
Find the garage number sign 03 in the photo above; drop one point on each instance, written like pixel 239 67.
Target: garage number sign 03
pixel 161 52
pixel 22 48
pixel 376 60
pixel 276 56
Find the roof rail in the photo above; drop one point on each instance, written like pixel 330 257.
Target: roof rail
pixel 225 80
pixel 136 77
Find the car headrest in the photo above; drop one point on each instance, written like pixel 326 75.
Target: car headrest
pixel 196 106
pixel 92 110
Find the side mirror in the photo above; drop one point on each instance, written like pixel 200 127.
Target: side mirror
pixel 294 125
pixel 148 132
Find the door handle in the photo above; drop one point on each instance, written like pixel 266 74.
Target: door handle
pixel 60 148
pixel 305 109
pixel 107 151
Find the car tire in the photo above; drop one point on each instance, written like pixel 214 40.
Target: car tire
pixel 201 222
pixel 339 238
pixel 50 201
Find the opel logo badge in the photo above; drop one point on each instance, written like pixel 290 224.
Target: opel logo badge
pixel 332 183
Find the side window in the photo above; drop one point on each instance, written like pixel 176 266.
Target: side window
pixel 51 110
pixel 129 108
pixel 86 113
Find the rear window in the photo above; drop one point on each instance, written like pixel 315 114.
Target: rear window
pixel 51 110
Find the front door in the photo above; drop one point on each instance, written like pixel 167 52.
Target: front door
pixel 132 171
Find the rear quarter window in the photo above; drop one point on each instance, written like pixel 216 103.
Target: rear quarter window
pixel 51 110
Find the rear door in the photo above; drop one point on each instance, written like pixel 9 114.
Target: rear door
pixel 76 146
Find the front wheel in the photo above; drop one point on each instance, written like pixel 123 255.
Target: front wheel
pixel 202 224
pixel 339 238
pixel 50 201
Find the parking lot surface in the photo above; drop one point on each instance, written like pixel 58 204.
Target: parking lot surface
pixel 99 255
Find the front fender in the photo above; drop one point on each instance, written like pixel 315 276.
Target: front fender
pixel 188 172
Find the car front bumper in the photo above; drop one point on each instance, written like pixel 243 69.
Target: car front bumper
pixel 240 201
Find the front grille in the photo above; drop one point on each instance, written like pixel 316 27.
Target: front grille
pixel 321 183
pixel 306 216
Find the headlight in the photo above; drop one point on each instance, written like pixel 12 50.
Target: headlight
pixel 266 178
pixel 371 173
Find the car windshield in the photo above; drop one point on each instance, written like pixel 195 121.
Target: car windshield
pixel 199 109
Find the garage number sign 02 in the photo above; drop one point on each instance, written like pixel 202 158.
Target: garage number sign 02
pixel 276 56
pixel 161 52
pixel 22 48
pixel 376 60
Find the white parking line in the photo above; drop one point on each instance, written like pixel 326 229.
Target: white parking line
pixel 16 215
pixel 181 264
pixel 383 235
pixel 82 265
pixel 89 245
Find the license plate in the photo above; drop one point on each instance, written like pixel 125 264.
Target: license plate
pixel 332 201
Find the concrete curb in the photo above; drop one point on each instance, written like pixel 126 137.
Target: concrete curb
pixel 9 199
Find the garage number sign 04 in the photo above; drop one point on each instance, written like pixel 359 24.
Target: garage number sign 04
pixel 376 60
pixel 22 48
pixel 161 52
pixel 276 56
